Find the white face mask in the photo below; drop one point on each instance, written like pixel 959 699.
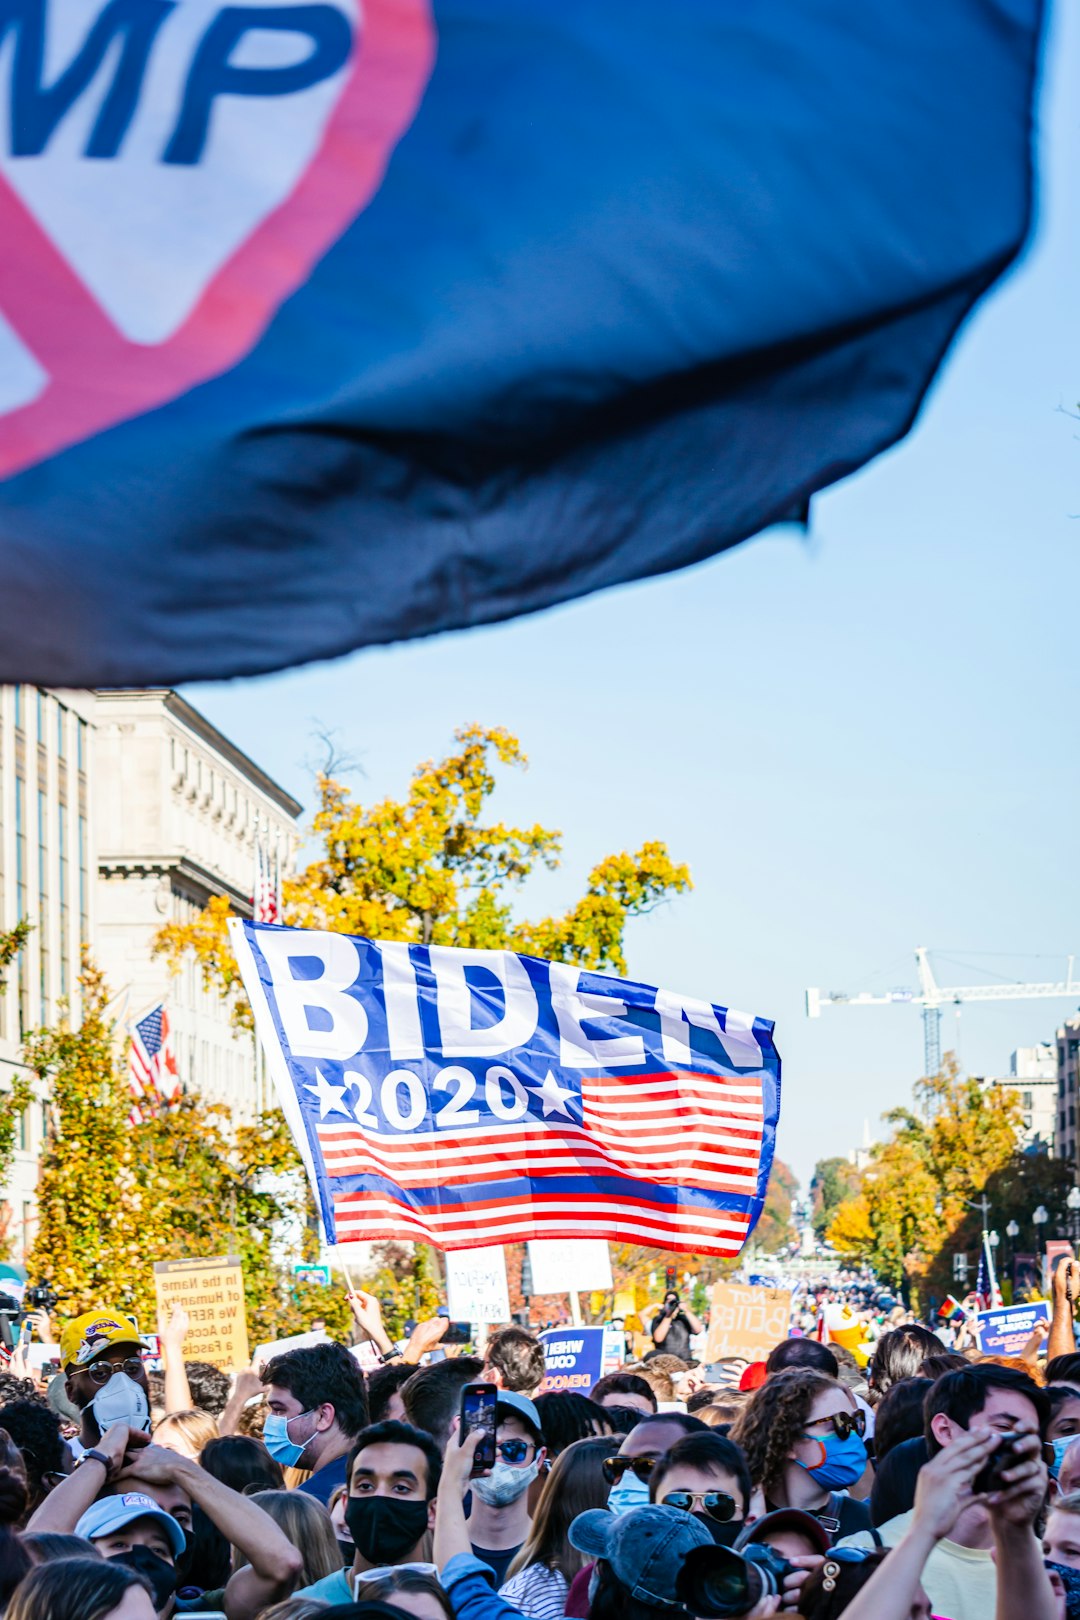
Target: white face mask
pixel 121 1401
pixel 506 1482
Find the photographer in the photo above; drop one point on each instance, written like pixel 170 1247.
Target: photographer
pixel 673 1326
pixel 945 1492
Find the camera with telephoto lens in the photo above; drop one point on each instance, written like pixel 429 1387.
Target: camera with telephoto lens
pixel 716 1582
pixel 41 1298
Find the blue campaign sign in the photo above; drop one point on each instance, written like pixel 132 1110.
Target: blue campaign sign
pixel 1005 1332
pixel 573 1359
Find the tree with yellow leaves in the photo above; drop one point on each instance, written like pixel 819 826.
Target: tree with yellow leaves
pixel 429 868
pixel 915 1190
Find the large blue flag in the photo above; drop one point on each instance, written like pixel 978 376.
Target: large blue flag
pixel 324 324
pixel 467 1097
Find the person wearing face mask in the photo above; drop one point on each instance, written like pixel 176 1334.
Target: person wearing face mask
pixel 499 1521
pixel 133 1530
pixel 706 1475
pixel 317 1406
pixel 393 1478
pixel 1064 1425
pixel 105 1379
pixel 802 1437
pixel 629 1471
pixel 126 1468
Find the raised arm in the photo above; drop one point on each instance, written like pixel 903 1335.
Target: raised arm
pixel 173 1333
pixel 1023 1586
pixel 1066 1280
pixel 273 1566
pixel 64 1507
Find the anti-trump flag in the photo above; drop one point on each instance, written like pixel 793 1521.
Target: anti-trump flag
pixel 327 323
pixel 470 1097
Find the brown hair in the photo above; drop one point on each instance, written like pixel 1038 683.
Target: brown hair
pixel 774 1418
pixel 383 1588
pixel 308 1526
pixel 1066 1504
pixel 576 1482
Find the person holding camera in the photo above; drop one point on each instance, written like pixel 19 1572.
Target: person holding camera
pixel 1008 1412
pixel 673 1326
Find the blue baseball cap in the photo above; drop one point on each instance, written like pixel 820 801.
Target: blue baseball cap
pixel 645 1547
pixel 511 1404
pixel 111 1513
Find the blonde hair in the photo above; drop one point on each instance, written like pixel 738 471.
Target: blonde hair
pixel 1067 1504
pixel 198 1428
pixel 307 1525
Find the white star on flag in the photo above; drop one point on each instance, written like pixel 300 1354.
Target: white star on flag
pixel 554 1096
pixel 331 1097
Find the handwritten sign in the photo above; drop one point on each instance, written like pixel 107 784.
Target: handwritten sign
pixel 476 1285
pixel 745 1321
pixel 212 1294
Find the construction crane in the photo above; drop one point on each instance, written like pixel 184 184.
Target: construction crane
pixel 931 997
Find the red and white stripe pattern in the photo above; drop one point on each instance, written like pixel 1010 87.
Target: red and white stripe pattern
pixel 642 1143
pixel 153 1077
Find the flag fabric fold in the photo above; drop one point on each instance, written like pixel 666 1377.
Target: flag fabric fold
pixel 474 308
pixel 469 1097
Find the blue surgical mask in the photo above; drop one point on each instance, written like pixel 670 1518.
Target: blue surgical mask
pixel 629 1492
pixel 277 1442
pixel 843 1463
pixel 1060 1448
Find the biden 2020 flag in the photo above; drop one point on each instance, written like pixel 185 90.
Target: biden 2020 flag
pixel 467 1097
pixel 324 324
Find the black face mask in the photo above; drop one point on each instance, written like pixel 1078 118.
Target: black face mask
pixel 723 1531
pixel 161 1574
pixel 385 1528
pixel 347 1551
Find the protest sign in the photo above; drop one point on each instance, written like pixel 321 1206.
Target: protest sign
pixel 1005 1332
pixel 573 1359
pixel 614 1348
pixel 745 1321
pixel 558 1268
pixel 476 1285
pixel 295 1341
pixel 418 1117
pixel 212 1294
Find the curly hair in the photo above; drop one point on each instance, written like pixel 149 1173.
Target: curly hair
pixel 773 1419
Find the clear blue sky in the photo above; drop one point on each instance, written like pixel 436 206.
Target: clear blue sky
pixel 861 741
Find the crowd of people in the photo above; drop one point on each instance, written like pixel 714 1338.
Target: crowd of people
pixel 927 1483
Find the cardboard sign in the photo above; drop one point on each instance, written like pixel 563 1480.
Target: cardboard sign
pixel 745 1321
pixel 573 1359
pixel 212 1294
pixel 476 1285
pixel 295 1341
pixel 580 1265
pixel 1005 1332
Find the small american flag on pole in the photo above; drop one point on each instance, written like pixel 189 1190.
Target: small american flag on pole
pixel 471 1097
pixel 152 1071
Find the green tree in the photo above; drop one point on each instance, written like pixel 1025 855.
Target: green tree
pixel 114 1196
pixel 833 1181
pixel 13 1103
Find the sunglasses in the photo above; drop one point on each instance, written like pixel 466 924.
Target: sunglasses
pixel 101 1371
pixel 717 1504
pixel 613 1468
pixel 513 1451
pixel 843 1424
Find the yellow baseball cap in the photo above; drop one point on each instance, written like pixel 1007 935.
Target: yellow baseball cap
pixel 83 1339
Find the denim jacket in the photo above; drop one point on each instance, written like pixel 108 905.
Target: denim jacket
pixel 469 1586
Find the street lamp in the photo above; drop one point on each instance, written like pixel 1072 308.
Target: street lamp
pixel 1073 1205
pixel 1012 1231
pixel 1040 1217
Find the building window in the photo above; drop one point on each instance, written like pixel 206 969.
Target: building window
pixel 1026 1102
pixel 24 1131
pixel 61 730
pixel 40 715
pixel 20 720
pixel 80 745
pixel 65 908
pixel 21 905
pixel 43 897
pixel 84 883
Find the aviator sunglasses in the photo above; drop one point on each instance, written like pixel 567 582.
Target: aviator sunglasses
pixel 613 1468
pixel 717 1504
pixel 843 1424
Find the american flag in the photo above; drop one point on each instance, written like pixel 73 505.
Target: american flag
pixel 266 899
pixel 152 1071
pixel 986 1287
pixel 614 1111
